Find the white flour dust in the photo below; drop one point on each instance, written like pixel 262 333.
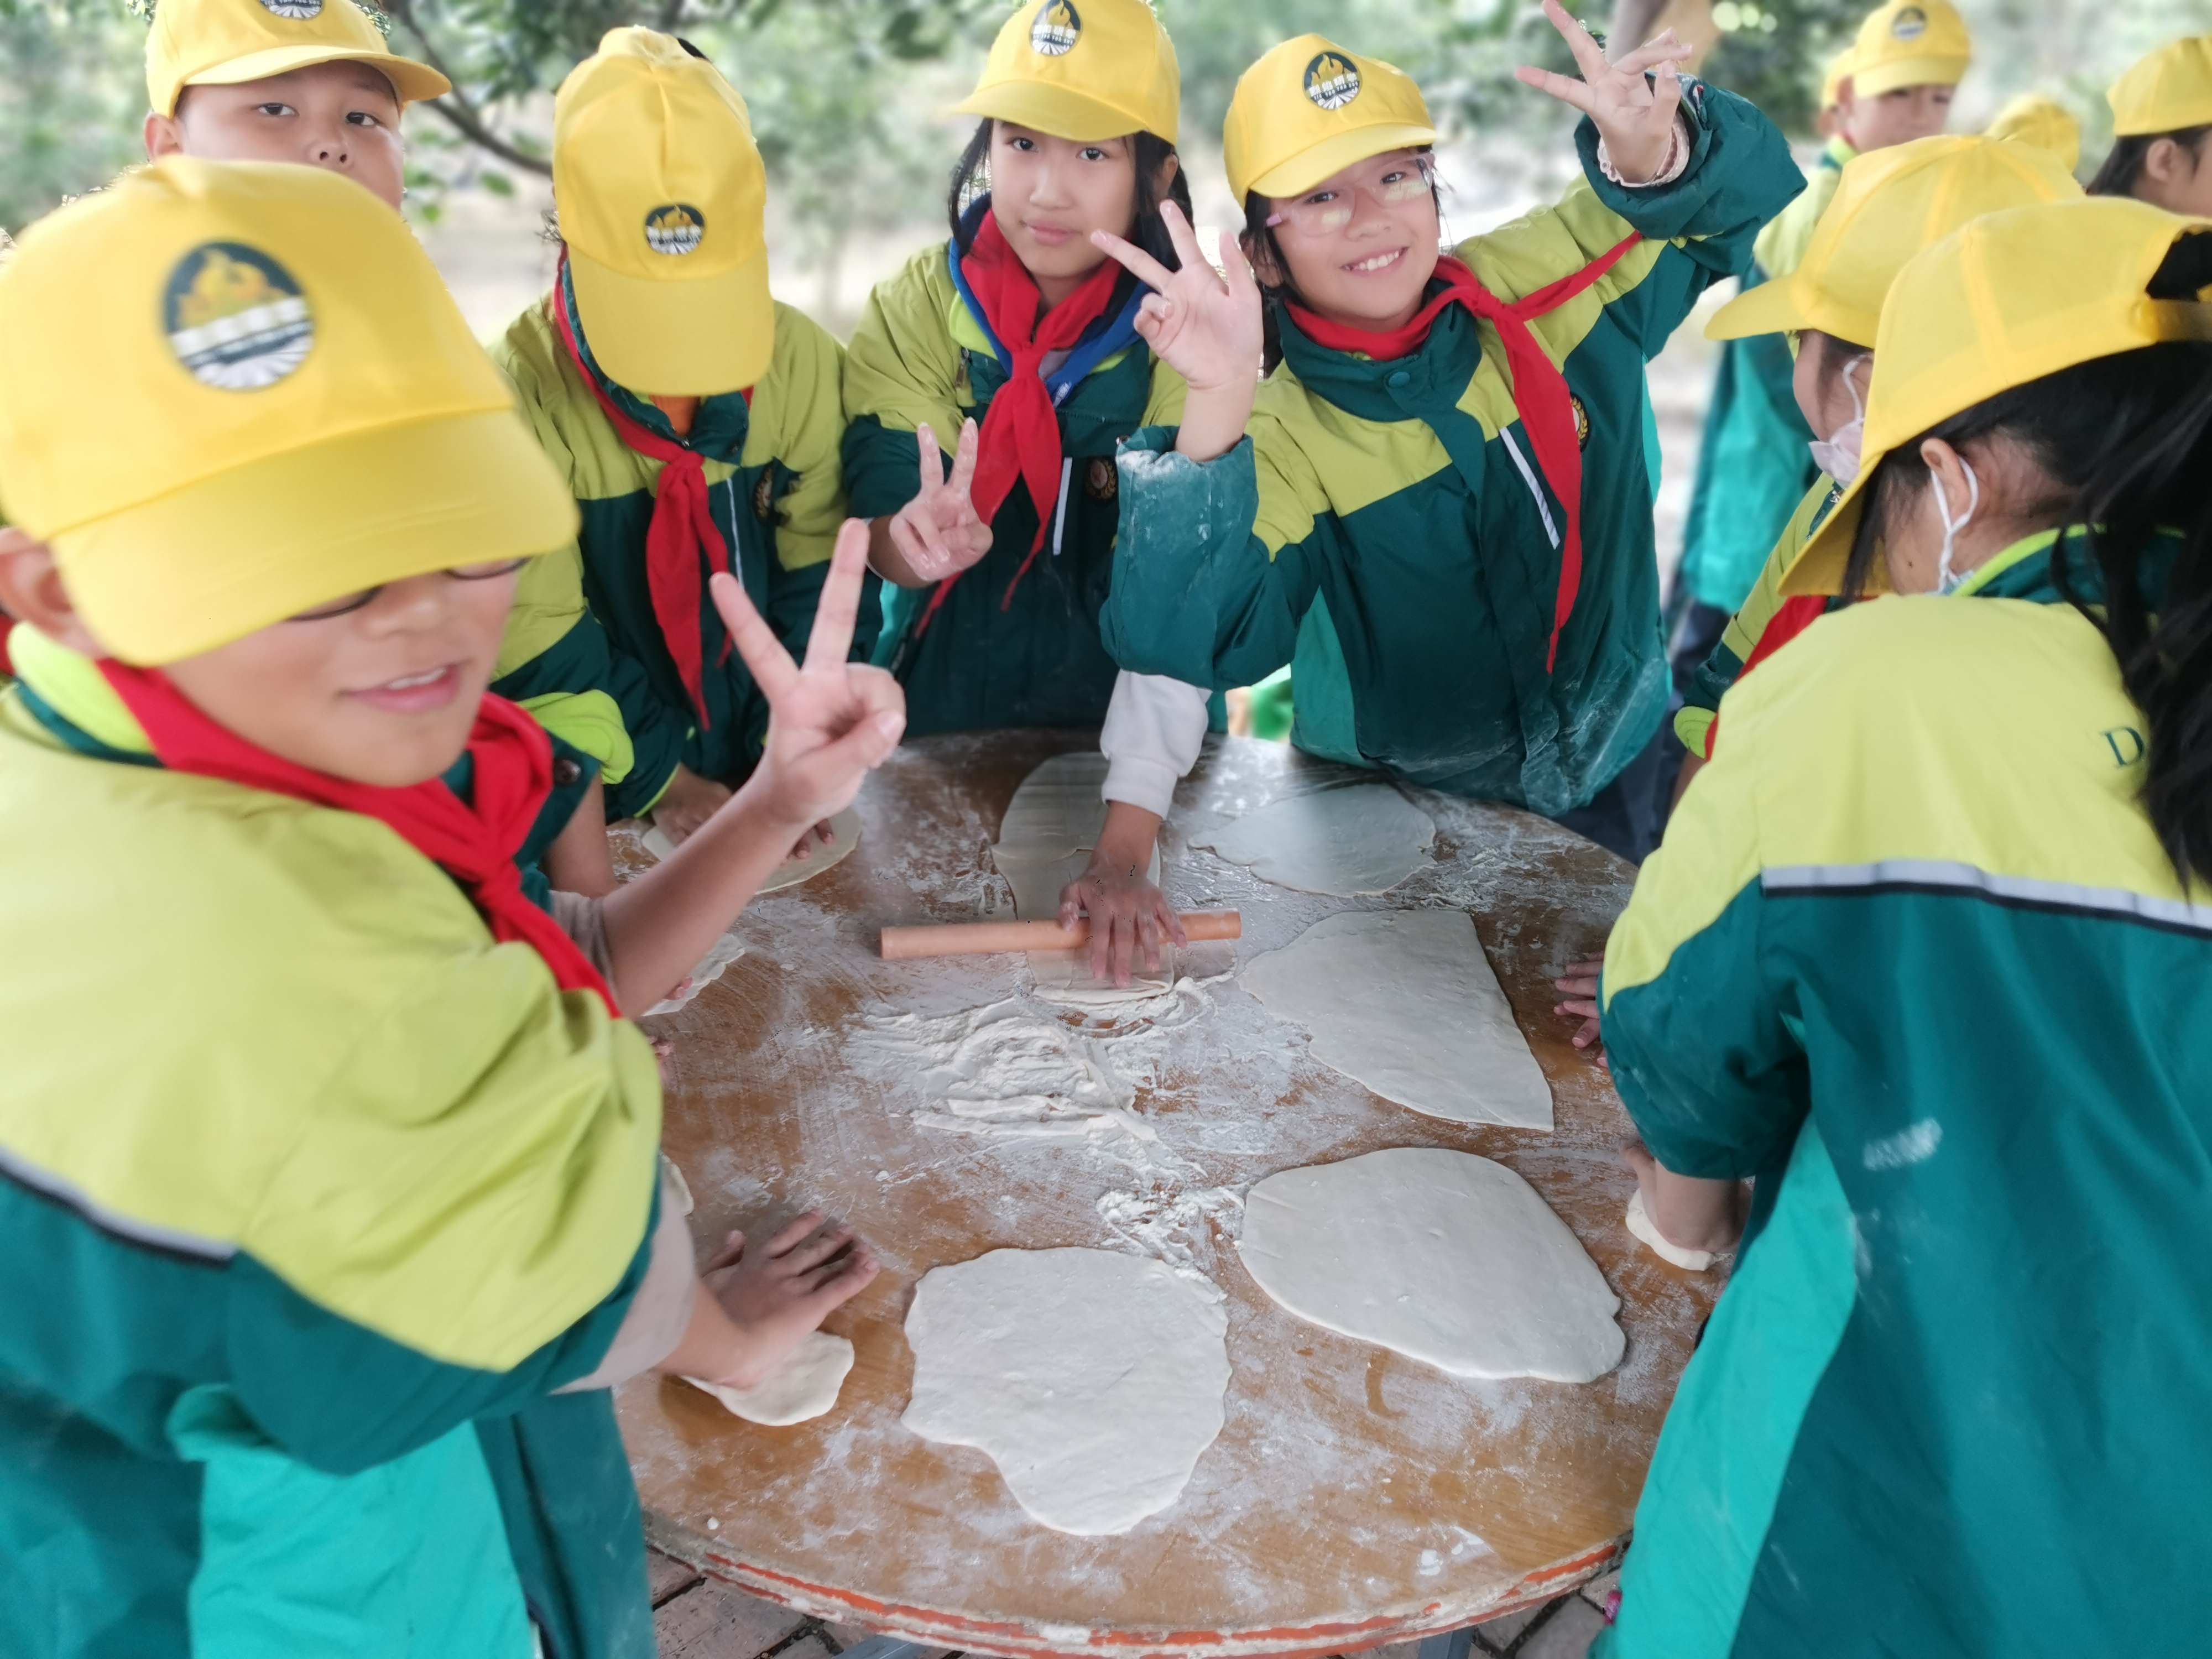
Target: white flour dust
pixel 1169 1223
pixel 1003 1071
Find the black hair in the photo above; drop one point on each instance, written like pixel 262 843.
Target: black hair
pixel 1265 250
pixel 2124 168
pixel 2126 442
pixel 971 179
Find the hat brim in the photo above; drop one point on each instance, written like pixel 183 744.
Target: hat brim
pixel 411 82
pixel 1786 306
pixel 2156 120
pixel 1933 71
pixel 1060 111
pixel 1301 173
pixel 664 337
pixel 1820 566
pixel 244 549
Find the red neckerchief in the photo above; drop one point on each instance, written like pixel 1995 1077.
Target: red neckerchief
pixel 1540 389
pixel 474 843
pixel 682 546
pixel 1020 439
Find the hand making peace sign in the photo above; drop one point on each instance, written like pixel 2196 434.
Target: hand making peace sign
pixel 938 533
pixel 1207 330
pixel 1634 116
pixel 830 721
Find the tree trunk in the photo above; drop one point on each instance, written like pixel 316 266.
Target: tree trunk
pixel 1635 21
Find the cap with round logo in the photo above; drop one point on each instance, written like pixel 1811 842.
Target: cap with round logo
pixel 2167 92
pixel 1988 309
pixel 227 43
pixel 1084 71
pixel 233 392
pixel 1309 109
pixel 1922 44
pixel 663 203
pixel 1889 205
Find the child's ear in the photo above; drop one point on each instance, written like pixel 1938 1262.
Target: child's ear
pixel 163 137
pixel 1259 250
pixel 31 592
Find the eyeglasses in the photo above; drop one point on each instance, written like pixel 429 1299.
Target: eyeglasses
pixel 460 572
pixel 1391 181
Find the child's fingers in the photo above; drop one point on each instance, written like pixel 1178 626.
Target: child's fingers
pixel 732 1252
pixel 1666 49
pixel 1243 282
pixel 796 1232
pixel 963 460
pixel 1564 87
pixel 840 1282
pixel 773 670
pixel 1185 240
pixel 1589 57
pixel 1148 270
pixel 932 467
pixel 1171 920
pixel 812 1252
pixel 838 610
pixel 907 540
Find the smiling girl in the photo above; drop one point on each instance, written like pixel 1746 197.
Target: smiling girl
pixel 1001 561
pixel 1439 504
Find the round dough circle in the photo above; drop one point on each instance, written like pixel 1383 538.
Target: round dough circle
pixel 844 833
pixel 1639 1221
pixel 804 1387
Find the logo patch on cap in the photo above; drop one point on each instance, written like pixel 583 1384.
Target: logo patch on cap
pixel 1057 29
pixel 1332 82
pixel 675 229
pixel 298 10
pixel 1912 23
pixel 236 319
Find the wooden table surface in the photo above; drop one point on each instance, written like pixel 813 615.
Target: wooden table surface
pixel 1355 1497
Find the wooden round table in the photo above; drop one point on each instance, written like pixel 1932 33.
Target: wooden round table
pixel 1355 1497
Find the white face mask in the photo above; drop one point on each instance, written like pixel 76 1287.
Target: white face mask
pixel 1840 456
pixel 1948 581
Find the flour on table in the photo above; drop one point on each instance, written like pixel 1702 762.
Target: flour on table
pixel 1003 1071
pixel 844 836
pixel 1445 1257
pixel 1094 1380
pixel 1045 841
pixel 1639 1223
pixel 1364 839
pixel 1405 1001
pixel 806 1385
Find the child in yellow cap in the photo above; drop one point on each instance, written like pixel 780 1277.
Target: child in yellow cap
pixel 1828 122
pixel 1932 937
pixel 327 1160
pixel 1439 504
pixel 988 385
pixel 1904 63
pixel 2038 119
pixel 2161 118
pixel 305 80
pixel 1888 207
pixel 696 421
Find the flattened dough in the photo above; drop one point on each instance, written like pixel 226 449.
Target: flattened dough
pixel 1446 1257
pixel 1640 1223
pixel 1405 1002
pixel 1094 1380
pixel 804 1387
pixel 1051 828
pixel 1366 838
pixel 845 836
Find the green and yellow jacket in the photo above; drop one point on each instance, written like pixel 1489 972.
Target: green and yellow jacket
pixel 1753 463
pixel 1384 523
pixel 584 652
pixel 919 356
pixel 312 1197
pixel 1912 948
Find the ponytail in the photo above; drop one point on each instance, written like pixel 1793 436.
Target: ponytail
pixel 2126 442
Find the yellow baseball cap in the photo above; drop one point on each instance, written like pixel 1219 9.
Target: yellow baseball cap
pixel 1923 44
pixel 227 43
pixel 1889 205
pixel 1832 83
pixel 1084 70
pixel 2037 119
pixel 1989 308
pixel 2167 91
pixel 663 202
pixel 1309 109
pixel 233 392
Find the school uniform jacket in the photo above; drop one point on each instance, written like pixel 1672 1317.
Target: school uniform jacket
pixel 312 1198
pixel 1753 463
pixel 1912 945
pixel 918 356
pixel 584 651
pixel 1385 525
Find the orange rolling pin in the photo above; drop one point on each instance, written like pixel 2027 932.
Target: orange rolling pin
pixel 976 938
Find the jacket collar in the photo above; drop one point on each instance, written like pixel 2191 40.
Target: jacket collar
pixel 719 431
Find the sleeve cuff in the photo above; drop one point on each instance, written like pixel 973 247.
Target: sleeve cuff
pixel 1693 725
pixel 1149 784
pixel 1676 164
pixel 660 1311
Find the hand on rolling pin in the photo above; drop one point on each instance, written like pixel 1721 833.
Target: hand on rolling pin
pixel 778 1292
pixel 1126 912
pixel 830 721
pixel 938 533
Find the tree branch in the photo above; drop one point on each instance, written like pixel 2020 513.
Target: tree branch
pixel 455 109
